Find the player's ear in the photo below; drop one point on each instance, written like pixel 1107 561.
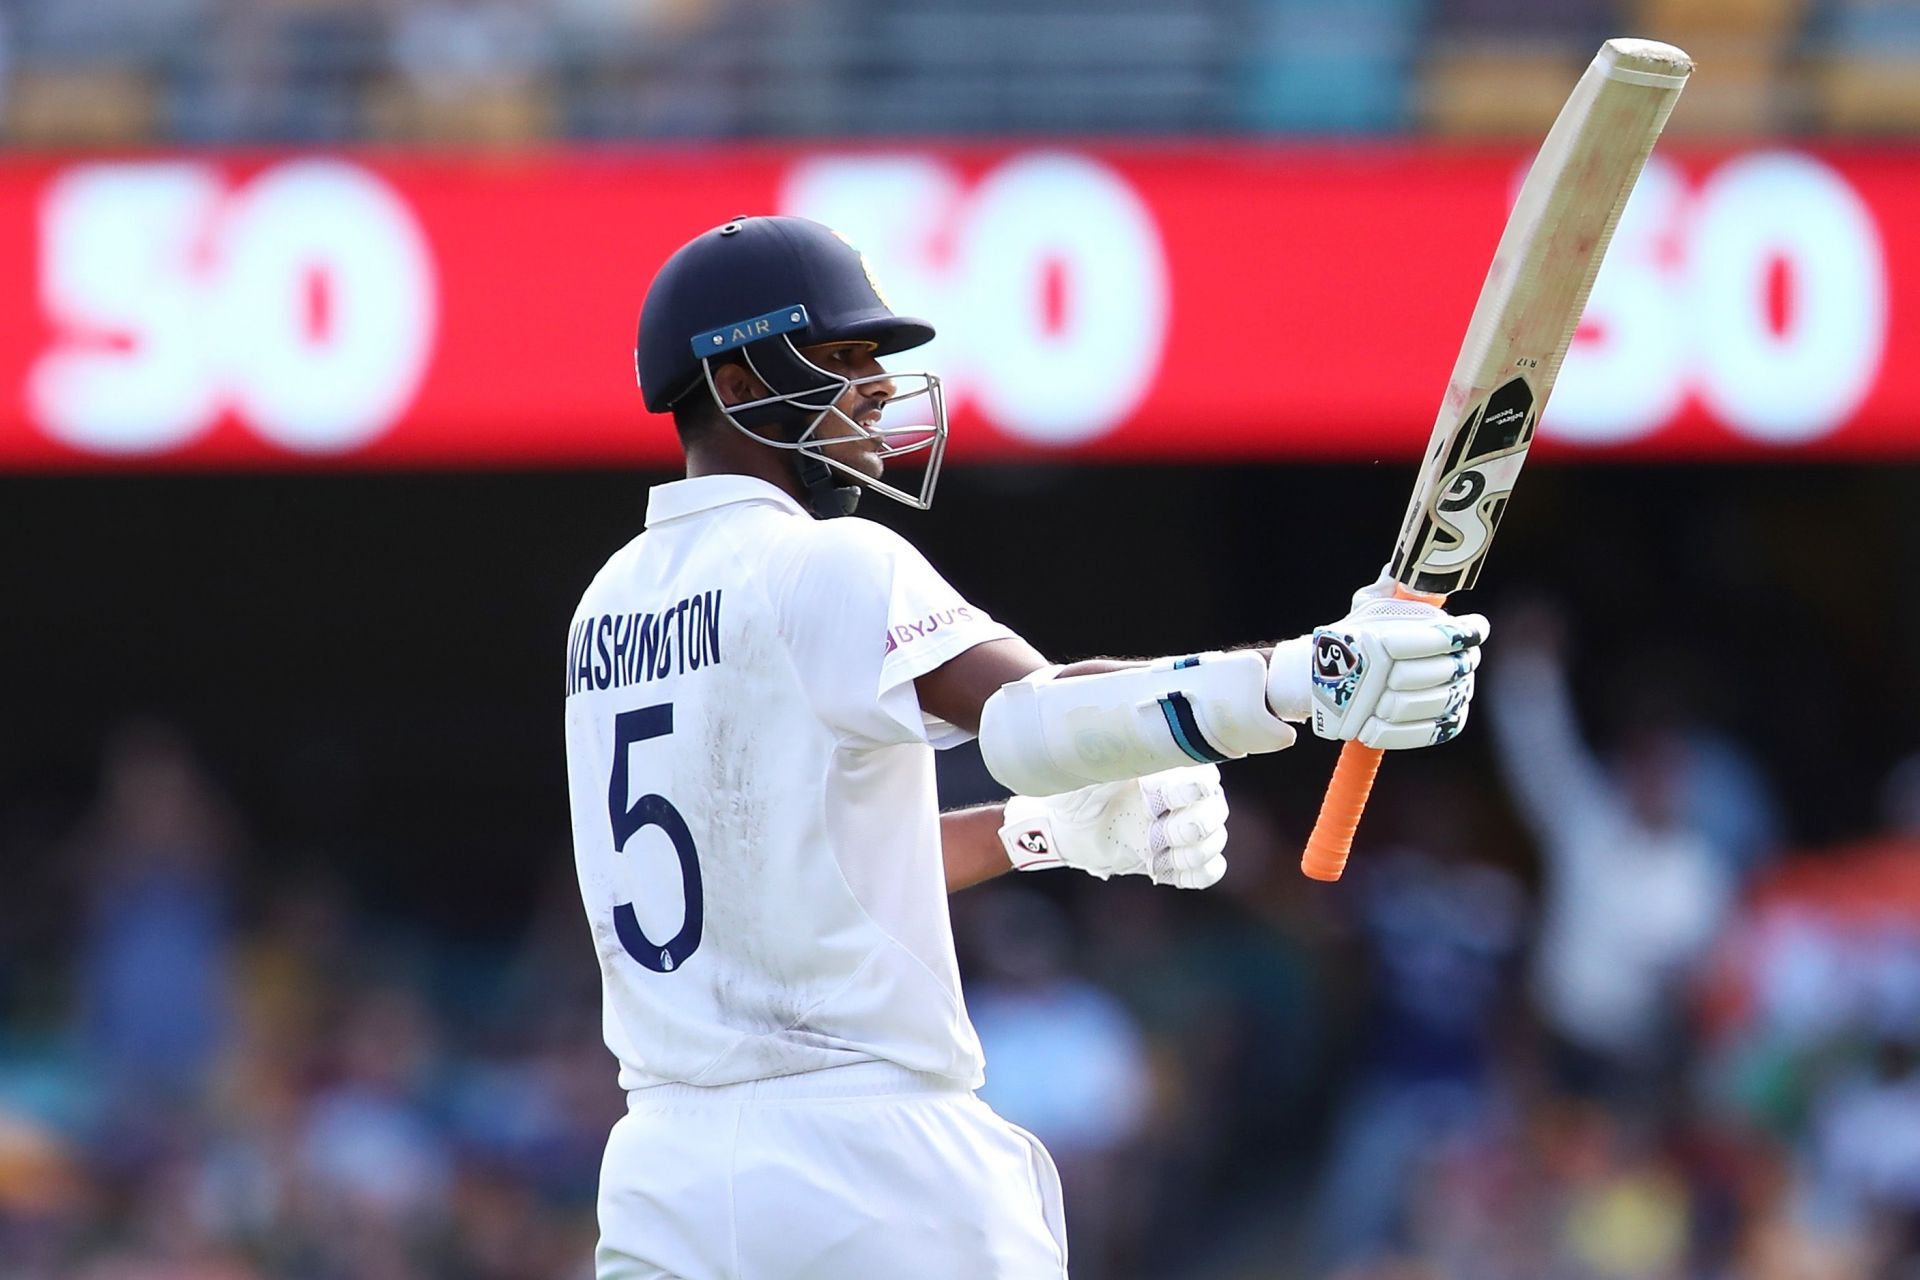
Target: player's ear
pixel 736 383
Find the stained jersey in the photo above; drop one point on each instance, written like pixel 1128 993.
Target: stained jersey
pixel 754 816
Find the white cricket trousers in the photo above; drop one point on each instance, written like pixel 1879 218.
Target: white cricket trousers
pixel 863 1172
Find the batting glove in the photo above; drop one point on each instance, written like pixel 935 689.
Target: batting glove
pixel 1391 674
pixel 1169 826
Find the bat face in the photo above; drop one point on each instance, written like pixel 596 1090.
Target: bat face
pixel 1483 458
pixel 1529 307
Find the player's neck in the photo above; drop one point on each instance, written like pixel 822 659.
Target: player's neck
pixel 760 463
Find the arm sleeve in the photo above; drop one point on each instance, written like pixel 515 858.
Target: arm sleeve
pixel 865 616
pixel 1553 778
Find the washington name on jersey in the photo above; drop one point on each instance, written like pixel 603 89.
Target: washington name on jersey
pixel 609 651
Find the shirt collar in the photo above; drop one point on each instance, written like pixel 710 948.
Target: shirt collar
pixel 678 498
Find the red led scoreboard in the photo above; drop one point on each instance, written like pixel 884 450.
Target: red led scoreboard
pixel 368 310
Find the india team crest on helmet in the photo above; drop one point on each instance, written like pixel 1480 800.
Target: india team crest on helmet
pixel 866 266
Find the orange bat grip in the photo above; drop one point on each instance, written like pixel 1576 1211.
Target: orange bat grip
pixel 1346 800
pixel 1347 792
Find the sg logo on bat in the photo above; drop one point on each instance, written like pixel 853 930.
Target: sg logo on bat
pixel 1489 449
pixel 1470 508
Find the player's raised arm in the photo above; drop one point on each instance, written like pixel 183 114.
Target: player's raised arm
pixel 1393 674
pixel 1113 764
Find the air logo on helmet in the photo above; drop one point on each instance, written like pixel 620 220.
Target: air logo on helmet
pixel 873 281
pixel 741 332
pixel 747 333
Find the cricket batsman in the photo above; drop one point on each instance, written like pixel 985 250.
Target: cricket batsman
pixel 755 686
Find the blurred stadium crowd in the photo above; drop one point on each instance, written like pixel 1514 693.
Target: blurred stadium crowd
pixel 1672 1049
pixel 222 1074
pixel 510 72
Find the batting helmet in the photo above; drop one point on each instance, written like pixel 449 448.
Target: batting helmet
pixel 746 270
pixel 763 288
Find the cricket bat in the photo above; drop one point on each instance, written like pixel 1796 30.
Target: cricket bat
pixel 1528 310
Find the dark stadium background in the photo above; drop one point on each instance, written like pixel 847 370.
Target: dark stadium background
pixel 379 654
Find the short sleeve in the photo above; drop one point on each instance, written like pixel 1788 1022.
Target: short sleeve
pixel 864 616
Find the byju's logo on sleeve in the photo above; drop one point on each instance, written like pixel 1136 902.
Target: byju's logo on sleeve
pixel 905 633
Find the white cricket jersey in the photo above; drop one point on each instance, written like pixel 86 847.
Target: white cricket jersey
pixel 754 816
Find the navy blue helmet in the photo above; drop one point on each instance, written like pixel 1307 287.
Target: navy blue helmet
pixel 757 290
pixel 747 269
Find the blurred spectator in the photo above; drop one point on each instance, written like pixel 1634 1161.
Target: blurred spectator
pixel 469 72
pixel 1882 27
pixel 1724 794
pixel 167 1238
pixel 449 47
pixel 452 48
pixel 68 32
pixel 1441 935
pixel 1225 991
pixel 154 953
pixel 1866 1138
pixel 44 1196
pixel 289 71
pixel 1814 1037
pixel 1633 896
pixel 634 20
pixel 368 1150
pixel 1900 799
pixel 1331 69
pixel 1728 800
pixel 1572 1191
pixel 1034 1018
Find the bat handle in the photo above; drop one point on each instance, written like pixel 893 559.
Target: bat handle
pixel 1346 800
pixel 1347 792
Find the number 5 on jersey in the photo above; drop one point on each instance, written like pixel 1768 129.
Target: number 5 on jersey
pixel 651 810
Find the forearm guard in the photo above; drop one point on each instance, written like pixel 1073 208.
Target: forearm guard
pixel 1044 735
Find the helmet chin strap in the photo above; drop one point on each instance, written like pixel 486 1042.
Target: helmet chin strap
pixel 828 494
pixel 825 496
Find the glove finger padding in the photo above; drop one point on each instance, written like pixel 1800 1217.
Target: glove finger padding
pixel 1196 866
pixel 1203 876
pixel 1424 704
pixel 1402 640
pixel 1390 735
pixel 1177 788
pixel 1433 673
pixel 1191 824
